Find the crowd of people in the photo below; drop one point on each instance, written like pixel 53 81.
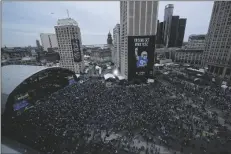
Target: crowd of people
pixel 163 117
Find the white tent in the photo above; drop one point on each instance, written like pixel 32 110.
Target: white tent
pixel 77 75
pixel 166 73
pixel 86 56
pixel 97 67
pixel 109 75
pixel 156 65
pixel 224 86
pixel 150 80
pixel 120 77
pixel 202 70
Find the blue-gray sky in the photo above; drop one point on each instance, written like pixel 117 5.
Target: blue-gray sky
pixel 22 22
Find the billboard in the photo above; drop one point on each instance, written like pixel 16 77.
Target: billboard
pixel 140 56
pixel 76 50
pixel 20 104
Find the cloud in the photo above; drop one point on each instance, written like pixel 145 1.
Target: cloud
pixel 26 20
pixel 31 18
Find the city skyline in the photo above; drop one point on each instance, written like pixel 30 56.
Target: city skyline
pixel 94 18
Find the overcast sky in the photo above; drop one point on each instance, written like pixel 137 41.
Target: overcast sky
pixel 22 22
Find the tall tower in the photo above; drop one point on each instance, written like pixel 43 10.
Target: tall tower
pixel 48 40
pixel 168 11
pixel 159 34
pixel 173 33
pixel 137 18
pixel 109 39
pixel 217 55
pixel 38 44
pixel 70 45
pixel 181 31
pixel 116 50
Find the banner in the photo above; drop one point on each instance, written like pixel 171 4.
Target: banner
pixel 20 104
pixel 76 50
pixel 71 81
pixel 140 56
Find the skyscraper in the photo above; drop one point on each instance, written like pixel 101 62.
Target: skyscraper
pixel 48 40
pixel 173 28
pixel 116 50
pixel 159 34
pixel 38 44
pixel 217 55
pixel 70 44
pixel 173 31
pixel 168 12
pixel 181 31
pixel 137 18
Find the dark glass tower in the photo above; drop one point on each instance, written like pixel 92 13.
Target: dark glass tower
pixel 174 31
pixel 181 31
pixel 159 35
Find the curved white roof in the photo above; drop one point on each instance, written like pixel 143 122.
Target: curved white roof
pixel 13 75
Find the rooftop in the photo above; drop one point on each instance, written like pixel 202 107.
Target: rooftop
pixel 190 50
pixel 197 37
pixel 66 21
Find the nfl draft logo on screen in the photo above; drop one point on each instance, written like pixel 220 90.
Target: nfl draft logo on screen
pixel 140 56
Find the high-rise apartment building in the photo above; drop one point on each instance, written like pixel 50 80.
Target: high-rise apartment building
pixel 137 18
pixel 48 40
pixel 70 51
pixel 217 55
pixel 116 50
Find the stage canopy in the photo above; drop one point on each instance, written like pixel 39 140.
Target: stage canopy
pixel 14 75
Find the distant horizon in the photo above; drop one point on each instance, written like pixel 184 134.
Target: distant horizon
pixel 40 43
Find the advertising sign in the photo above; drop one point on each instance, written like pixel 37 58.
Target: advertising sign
pixel 140 56
pixel 76 50
pixel 21 104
